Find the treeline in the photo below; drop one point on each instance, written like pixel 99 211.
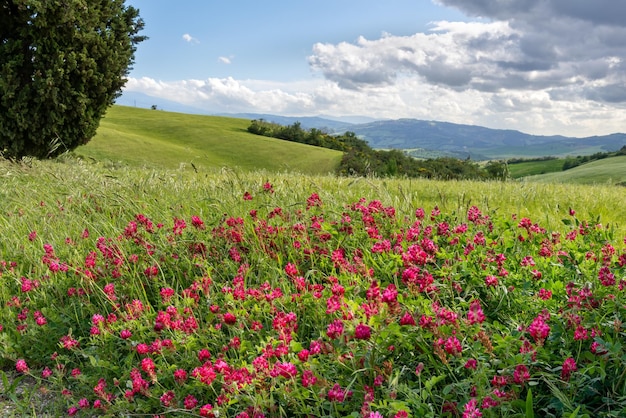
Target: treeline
pixel 576 161
pixel 359 159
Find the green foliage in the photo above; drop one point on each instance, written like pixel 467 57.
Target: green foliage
pixel 62 65
pixel 360 159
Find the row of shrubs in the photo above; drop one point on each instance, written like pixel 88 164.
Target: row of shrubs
pixel 576 161
pixel 360 159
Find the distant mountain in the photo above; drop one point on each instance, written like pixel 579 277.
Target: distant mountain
pixel 307 122
pixel 478 142
pixel 422 138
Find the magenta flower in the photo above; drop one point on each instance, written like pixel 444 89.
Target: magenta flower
pixel 229 318
pixel 362 332
pixel 335 329
pixel 475 314
pixel 569 367
pixel 190 402
pixel 453 346
pixel 21 366
pixel 521 374
pixel 539 329
pixel 471 410
pixel 407 319
pixel 180 376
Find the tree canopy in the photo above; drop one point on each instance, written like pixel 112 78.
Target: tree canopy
pixel 62 64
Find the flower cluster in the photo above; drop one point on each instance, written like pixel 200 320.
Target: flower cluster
pixel 314 310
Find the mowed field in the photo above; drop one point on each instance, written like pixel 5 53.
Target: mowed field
pixel 609 171
pixel 153 138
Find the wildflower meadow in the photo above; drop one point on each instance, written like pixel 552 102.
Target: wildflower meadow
pixel 258 295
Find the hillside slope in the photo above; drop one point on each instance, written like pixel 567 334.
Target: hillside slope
pixel 152 138
pixel 607 171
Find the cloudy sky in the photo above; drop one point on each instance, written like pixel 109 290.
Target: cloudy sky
pixel 539 66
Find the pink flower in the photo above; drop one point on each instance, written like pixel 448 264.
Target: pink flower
pixel 539 329
pixel 204 355
pixel 21 366
pixel 286 370
pixel 229 318
pixel 521 374
pixel 453 346
pixel 335 329
pixel 206 411
pixel 471 410
pixel 197 223
pixel 68 342
pixel 569 367
pixel 362 332
pixel 125 334
pixel 338 394
pixel 308 378
pixel 190 402
pixel 407 319
pixel 491 281
pixel 303 355
pixel 471 364
pixel 180 376
pixel 167 398
pixel 475 313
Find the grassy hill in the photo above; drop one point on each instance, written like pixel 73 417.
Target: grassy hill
pixel 532 168
pixel 152 138
pixel 606 171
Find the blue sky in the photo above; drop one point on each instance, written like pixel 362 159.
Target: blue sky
pixel 539 66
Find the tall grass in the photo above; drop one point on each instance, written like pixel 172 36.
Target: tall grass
pixel 105 196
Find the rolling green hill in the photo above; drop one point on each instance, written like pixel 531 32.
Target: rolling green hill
pixel 153 138
pixel 607 171
pixel 531 168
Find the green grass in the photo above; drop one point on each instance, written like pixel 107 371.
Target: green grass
pixel 609 171
pixel 148 138
pixel 123 191
pixel 531 168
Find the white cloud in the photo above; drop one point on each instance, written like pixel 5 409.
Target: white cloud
pixel 188 38
pixel 225 60
pixel 533 111
pixel 539 66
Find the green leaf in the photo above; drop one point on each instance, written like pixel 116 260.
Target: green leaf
pixel 529 404
pixel 575 413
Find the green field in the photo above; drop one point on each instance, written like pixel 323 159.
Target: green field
pixel 609 171
pixel 152 138
pixel 531 168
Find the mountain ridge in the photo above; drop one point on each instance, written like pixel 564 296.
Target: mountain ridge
pixel 435 138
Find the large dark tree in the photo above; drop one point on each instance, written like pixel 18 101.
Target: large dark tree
pixel 62 64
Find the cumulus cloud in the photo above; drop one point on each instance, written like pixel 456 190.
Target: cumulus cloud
pixel 188 38
pixel 568 52
pixel 539 66
pixel 533 111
